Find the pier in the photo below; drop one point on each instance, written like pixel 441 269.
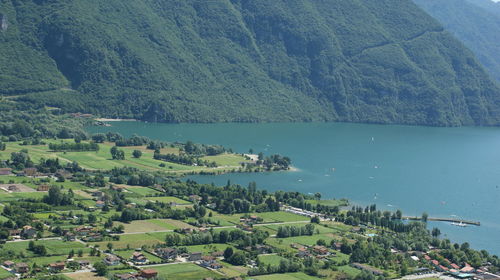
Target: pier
pixel 449 220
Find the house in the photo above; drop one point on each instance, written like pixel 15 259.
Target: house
pixel 28 232
pixel 321 250
pixel 55 267
pixel 112 260
pixel 64 174
pixel 21 268
pixel 13 188
pixel 303 252
pixel 166 253
pixel 83 263
pixel 194 198
pixel 196 256
pixel 43 188
pixel 138 257
pixel 149 273
pixel 97 193
pixel 100 204
pixel 427 258
pixel 8 264
pixel 467 269
pixel 5 171
pixel 218 254
pixel 126 276
pixel 30 172
pixel 337 246
pixel 215 265
pixel 454 266
pixel 206 261
pixel 14 232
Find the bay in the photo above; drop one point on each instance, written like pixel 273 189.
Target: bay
pixel 446 172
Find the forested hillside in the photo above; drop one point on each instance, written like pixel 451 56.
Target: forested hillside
pixel 476 23
pixel 383 61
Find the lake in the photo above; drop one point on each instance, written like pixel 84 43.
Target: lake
pixel 446 172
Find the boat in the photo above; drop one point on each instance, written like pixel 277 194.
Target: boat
pixel 458 224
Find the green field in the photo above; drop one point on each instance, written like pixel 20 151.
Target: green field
pixel 143 191
pixel 168 199
pixel 285 276
pixel 185 272
pixel 153 225
pixel 273 260
pixel 4 273
pixel 54 247
pixel 101 160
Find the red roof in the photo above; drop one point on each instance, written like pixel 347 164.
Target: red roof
pixel 454 266
pixel 434 262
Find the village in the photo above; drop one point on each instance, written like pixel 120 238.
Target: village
pixel 60 220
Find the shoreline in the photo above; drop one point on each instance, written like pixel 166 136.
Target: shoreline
pixel 114 120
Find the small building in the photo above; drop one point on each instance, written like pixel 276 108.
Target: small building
pixel 321 250
pixel 30 172
pixel 206 261
pixel 138 257
pixel 43 188
pixel 21 268
pixel 100 204
pixel 126 276
pixel 5 171
pixel 111 260
pixel 215 266
pixel 149 273
pixel 83 263
pixel 13 188
pixel 303 252
pixel 196 256
pixel 166 253
pixel 14 232
pixel 194 198
pixel 28 232
pixel 56 267
pixel 8 264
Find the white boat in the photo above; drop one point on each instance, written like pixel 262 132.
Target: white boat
pixel 459 224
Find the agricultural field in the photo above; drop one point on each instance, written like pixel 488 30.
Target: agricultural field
pixel 284 276
pixel 273 260
pixel 168 199
pixel 185 272
pixel 101 160
pixel 54 247
pixel 153 225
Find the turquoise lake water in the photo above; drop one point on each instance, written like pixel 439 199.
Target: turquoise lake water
pixel 446 172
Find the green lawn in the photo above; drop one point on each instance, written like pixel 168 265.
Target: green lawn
pixel 168 199
pixel 143 191
pixel 54 247
pixel 101 160
pixel 185 272
pixel 349 270
pixel 4 273
pixel 273 260
pixel 153 225
pixel 285 276
pixel 136 240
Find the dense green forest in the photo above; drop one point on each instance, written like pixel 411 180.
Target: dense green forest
pixel 383 61
pixel 476 23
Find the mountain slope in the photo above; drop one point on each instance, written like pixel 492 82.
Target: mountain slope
pixel 298 60
pixel 476 23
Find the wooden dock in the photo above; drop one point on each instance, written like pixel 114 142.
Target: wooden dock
pixel 449 220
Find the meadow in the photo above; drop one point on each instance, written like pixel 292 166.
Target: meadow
pixel 101 160
pixel 185 272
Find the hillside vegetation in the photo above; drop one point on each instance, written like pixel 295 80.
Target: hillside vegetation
pixel 476 23
pixel 383 61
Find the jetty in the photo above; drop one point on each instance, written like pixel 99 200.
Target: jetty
pixel 449 220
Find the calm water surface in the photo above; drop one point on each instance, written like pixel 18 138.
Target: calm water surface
pixel 445 172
